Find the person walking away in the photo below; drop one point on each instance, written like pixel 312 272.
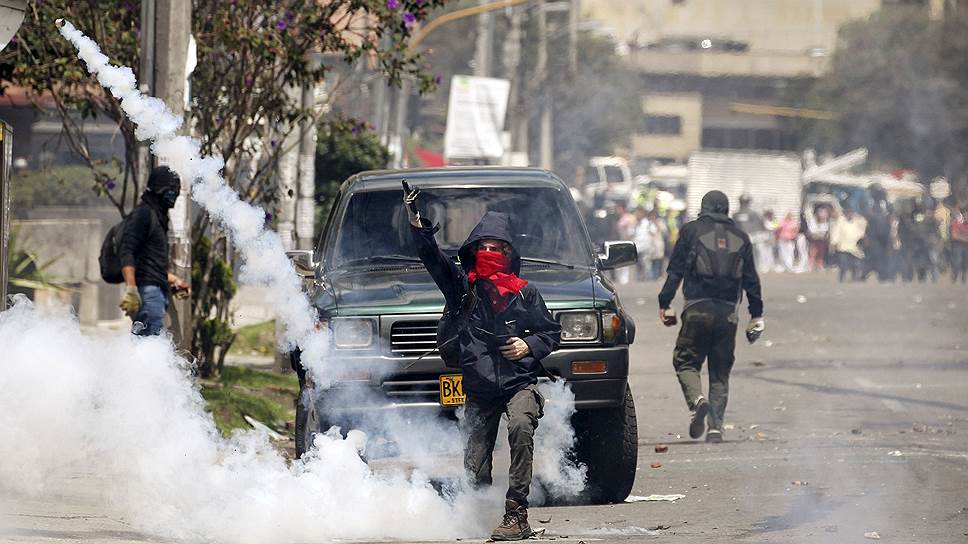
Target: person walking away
pixel 786 236
pixel 713 259
pixel 503 331
pixel 959 241
pixel 755 227
pixel 846 233
pixel 625 229
pixel 915 231
pixel 818 234
pixel 144 256
pixel 801 245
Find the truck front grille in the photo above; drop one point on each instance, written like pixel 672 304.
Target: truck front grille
pixel 420 388
pixel 413 338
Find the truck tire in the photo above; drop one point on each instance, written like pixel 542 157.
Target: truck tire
pixel 307 423
pixel 608 444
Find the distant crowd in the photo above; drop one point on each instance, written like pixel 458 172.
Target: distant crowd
pixel 913 242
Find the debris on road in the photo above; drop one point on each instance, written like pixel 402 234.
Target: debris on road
pixel 800 483
pixel 662 527
pixel 758 363
pixel 768 343
pixel 656 465
pixel 801 299
pixel 661 448
pixel 895 453
pixel 545 520
pixel 260 426
pixel 654 498
pixel 872 535
pixel 729 427
pixel 855 431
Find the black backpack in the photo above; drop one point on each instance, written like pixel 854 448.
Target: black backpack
pixel 717 255
pixel 109 260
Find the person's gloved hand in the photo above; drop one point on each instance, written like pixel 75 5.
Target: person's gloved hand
pixel 755 329
pixel 131 302
pixel 667 317
pixel 410 203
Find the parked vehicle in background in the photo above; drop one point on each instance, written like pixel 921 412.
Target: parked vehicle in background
pixel 608 179
pixel 382 307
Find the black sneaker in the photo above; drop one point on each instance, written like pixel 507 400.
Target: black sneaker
pixel 515 524
pixel 698 425
pixel 714 436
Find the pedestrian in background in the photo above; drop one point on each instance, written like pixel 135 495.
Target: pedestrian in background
pixel 144 256
pixel 786 236
pixel 818 234
pixel 754 225
pixel 713 259
pixel 650 243
pixel 846 233
pixel 625 229
pixel 959 241
pixel 769 251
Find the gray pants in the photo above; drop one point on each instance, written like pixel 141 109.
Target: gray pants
pixel 708 330
pixel 481 421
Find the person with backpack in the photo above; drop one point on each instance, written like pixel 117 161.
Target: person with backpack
pixel 496 329
pixel 143 255
pixel 713 259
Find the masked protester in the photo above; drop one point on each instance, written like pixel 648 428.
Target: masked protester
pixel 503 334
pixel 714 259
pixel 144 255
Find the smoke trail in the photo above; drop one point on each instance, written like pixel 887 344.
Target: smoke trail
pixel 264 259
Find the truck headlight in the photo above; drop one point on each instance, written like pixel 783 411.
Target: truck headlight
pixel 353 333
pixel 578 326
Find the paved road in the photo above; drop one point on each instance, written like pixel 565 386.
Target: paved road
pixel 857 392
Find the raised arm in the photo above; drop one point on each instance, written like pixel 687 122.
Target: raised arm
pixel 450 279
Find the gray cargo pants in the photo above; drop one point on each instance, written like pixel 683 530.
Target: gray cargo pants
pixel 481 421
pixel 708 330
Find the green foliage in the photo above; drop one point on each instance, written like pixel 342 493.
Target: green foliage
pixel 26 271
pixel 73 185
pixel 345 147
pixel 900 85
pixel 239 391
pixel 258 338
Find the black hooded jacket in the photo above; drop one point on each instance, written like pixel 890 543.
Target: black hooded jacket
pixel 144 244
pixel 487 374
pixel 694 287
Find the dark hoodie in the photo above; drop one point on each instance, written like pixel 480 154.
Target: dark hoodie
pixel 487 374
pixel 144 244
pixel 715 207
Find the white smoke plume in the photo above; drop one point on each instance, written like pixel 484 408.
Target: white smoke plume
pixel 124 410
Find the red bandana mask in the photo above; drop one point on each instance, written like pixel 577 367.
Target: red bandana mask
pixel 495 267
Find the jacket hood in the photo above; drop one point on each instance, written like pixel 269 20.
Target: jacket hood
pixel 493 226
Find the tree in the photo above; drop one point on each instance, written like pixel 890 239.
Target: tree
pixel 250 54
pixel 345 147
pixel 899 82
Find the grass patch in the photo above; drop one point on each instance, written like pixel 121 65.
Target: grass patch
pixel 258 339
pixel 268 397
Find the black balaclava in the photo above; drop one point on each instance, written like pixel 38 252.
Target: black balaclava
pixel 714 202
pixel 165 184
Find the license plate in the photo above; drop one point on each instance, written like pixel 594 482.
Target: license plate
pixel 451 390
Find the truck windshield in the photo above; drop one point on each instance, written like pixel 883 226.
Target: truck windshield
pixel 372 224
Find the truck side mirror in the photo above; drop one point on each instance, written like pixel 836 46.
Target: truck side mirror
pixel 617 254
pixel 302 261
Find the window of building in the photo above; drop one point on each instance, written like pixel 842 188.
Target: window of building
pixel 663 124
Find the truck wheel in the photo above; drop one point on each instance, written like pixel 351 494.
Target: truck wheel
pixel 307 423
pixel 608 444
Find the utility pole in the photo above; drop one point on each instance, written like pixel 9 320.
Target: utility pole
pixel 485 34
pixel 512 63
pixel 306 203
pixel 574 12
pixel 546 146
pixel 169 27
pixel 287 175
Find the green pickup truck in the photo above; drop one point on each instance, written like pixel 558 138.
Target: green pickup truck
pixel 382 307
